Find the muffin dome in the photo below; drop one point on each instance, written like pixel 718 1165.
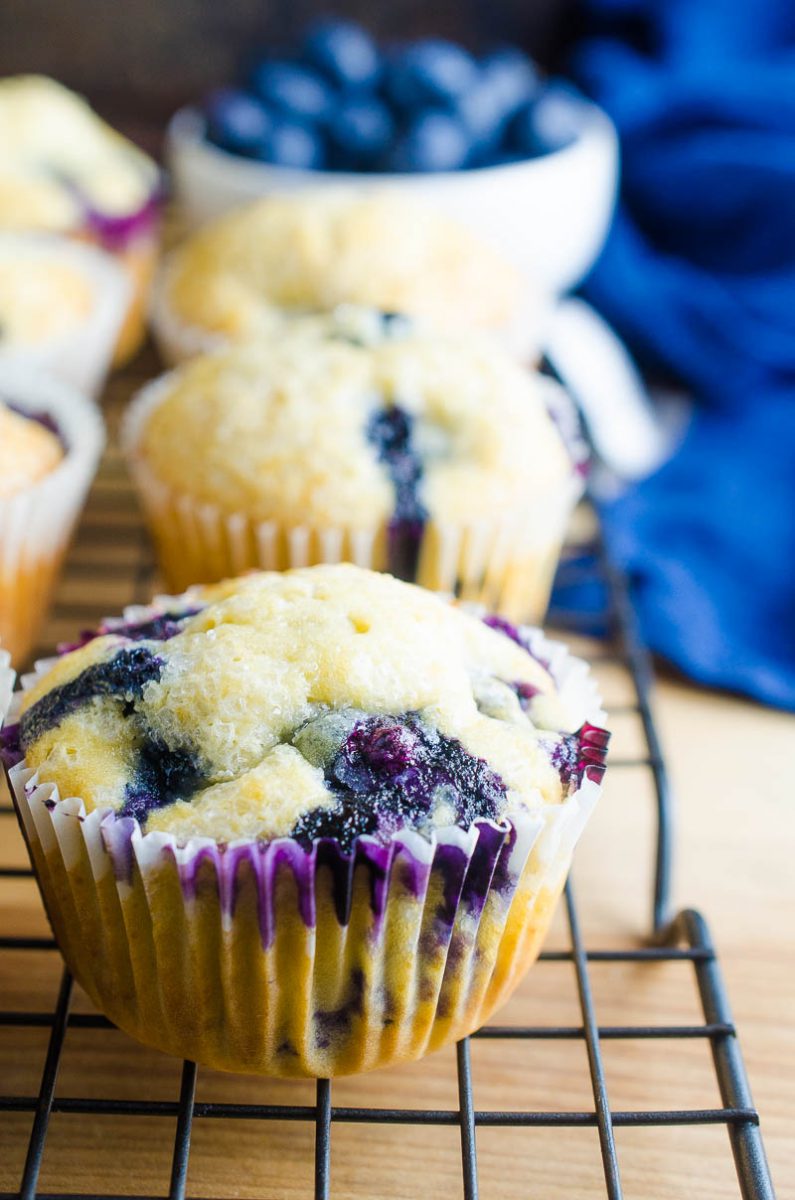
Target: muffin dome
pixel 304 823
pixel 325 433
pixel 29 451
pixel 283 257
pixel 323 702
pixel 59 162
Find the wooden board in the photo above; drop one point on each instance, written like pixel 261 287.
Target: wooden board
pixel 731 765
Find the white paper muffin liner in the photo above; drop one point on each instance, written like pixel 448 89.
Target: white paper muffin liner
pixel 37 522
pixel 278 959
pixel 82 357
pixel 507 563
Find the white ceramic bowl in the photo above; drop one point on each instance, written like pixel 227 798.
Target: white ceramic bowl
pixel 549 215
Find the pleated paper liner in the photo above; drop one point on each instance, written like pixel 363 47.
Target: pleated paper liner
pixel 37 522
pixel 281 959
pixel 507 563
pixel 134 242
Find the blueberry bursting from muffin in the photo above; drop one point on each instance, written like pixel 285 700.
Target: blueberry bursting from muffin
pixel 386 772
pixel 391 432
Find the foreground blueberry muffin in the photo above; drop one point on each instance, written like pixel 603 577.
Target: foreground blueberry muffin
pixel 303 823
pixel 434 458
pixel 64 170
pixel 50 441
pixel 258 269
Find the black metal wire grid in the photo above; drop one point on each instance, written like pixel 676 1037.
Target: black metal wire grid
pixel 685 937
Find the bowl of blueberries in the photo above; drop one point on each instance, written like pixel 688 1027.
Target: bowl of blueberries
pixel 528 163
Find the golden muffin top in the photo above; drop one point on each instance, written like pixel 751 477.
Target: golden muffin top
pixel 328 701
pixel 285 256
pixel 58 159
pixel 326 431
pixel 28 451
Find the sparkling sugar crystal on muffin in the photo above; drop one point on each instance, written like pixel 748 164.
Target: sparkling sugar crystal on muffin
pixel 328 701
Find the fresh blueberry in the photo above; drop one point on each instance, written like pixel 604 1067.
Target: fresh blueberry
pixel 292 90
pixel 503 157
pixel 343 52
pixel 292 144
pixel 237 122
pixel 361 132
pixel 558 117
pixel 523 136
pixel 512 76
pixel 430 72
pixel 434 141
pixel 482 114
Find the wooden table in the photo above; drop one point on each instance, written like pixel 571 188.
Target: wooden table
pixel 731 765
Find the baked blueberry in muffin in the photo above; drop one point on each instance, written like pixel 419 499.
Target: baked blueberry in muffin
pixel 391 431
pixel 332 702
pixel 65 171
pixel 303 823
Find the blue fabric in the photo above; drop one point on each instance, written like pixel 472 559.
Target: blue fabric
pixel 698 275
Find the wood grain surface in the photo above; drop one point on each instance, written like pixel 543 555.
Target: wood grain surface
pixel 731 766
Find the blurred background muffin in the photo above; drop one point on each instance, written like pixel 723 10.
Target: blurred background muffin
pixel 248 273
pixel 51 438
pixel 61 307
pixel 64 170
pixel 434 458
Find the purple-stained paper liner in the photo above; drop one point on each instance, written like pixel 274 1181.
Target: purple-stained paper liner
pixel 119 232
pixel 280 959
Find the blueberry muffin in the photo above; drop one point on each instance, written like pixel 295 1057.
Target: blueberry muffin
pixel 29 450
pixel 40 299
pixel 61 307
pixel 304 823
pixel 50 441
pixel 63 170
pixel 434 458
pixel 260 268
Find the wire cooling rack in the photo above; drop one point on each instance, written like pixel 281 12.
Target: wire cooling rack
pixel 110 534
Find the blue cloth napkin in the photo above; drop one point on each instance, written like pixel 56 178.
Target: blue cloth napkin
pixel 698 276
